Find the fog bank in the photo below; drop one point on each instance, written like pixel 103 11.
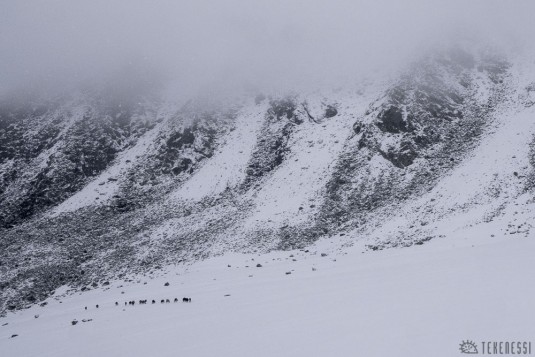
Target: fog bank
pixel 57 44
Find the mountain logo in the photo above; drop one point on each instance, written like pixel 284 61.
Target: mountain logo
pixel 468 347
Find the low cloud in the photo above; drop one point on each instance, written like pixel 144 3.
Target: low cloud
pixel 62 43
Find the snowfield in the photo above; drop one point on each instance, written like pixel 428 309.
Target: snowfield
pixel 420 301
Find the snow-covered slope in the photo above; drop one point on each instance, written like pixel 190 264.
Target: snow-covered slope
pixel 227 168
pixel 100 191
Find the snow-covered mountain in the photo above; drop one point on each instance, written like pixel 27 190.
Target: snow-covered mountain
pixel 93 189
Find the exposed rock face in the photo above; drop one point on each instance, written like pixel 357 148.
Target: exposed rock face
pixel 422 126
pixel 330 112
pixel 272 145
pixel 53 151
pixel 184 141
pixel 392 120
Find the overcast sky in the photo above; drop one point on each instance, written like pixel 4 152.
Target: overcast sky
pixel 60 42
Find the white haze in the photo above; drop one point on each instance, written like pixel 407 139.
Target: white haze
pixel 58 44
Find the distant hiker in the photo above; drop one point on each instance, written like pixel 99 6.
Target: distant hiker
pixel 154 302
pixel 162 301
pixel 116 303
pixel 97 306
pixel 86 307
pixel 176 300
